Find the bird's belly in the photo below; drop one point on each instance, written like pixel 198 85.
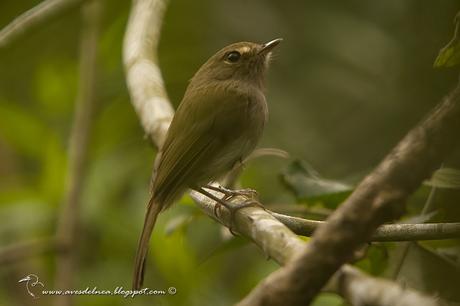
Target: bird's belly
pixel 237 140
pixel 230 154
pixel 251 128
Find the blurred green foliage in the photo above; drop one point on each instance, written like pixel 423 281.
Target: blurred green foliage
pixel 350 78
pixel 309 187
pixel 450 55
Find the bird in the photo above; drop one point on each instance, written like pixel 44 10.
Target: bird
pixel 215 127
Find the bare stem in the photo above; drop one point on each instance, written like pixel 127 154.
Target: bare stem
pixel 68 221
pixel 405 247
pixel 34 18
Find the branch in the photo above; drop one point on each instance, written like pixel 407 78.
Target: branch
pixel 149 98
pixel 387 232
pixel 284 208
pixel 279 243
pixel 275 239
pixel 360 289
pixel 379 198
pixel 34 18
pixel 144 79
pixel 68 221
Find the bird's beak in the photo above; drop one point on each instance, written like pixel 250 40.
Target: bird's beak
pixel 267 47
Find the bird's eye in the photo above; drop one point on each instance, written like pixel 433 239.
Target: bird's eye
pixel 233 56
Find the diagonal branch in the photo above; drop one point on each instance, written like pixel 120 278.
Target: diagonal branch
pixel 279 243
pixel 149 98
pixel 34 18
pixel 379 198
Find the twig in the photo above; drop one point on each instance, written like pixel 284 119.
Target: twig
pixel 387 232
pixel 68 221
pixel 405 247
pixel 35 17
pixel 153 108
pixel 319 212
pixel 379 198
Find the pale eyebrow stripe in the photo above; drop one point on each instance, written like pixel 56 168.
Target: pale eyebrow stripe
pixel 244 49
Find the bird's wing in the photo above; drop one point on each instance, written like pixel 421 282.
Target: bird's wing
pixel 203 126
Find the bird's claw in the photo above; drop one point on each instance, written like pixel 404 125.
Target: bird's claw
pixel 234 207
pixel 229 193
pixel 251 196
pixel 248 193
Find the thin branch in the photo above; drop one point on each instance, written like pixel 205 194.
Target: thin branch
pixel 68 222
pixel 148 97
pixel 26 249
pixel 387 232
pixel 318 212
pixel 405 247
pixel 34 18
pixel 379 198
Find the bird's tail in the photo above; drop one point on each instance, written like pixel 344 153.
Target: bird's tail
pixel 153 210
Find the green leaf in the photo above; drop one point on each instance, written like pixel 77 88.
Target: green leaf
pixel 445 178
pixel 450 55
pixel 308 185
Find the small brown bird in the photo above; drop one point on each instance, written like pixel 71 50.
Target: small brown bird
pixel 217 124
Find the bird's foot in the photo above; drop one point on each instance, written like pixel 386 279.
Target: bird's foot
pixel 229 193
pixel 250 195
pixel 234 207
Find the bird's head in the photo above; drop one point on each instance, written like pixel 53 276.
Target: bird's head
pixel 242 61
